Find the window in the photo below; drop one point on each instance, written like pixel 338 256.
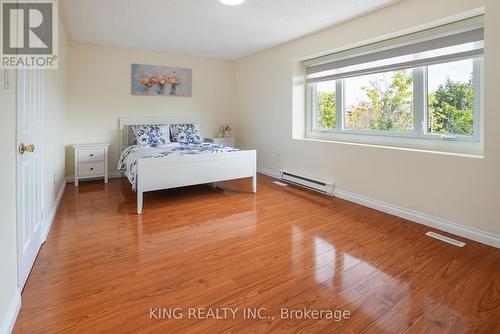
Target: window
pixel 424 86
pixel 379 102
pixel 450 98
pixel 325 105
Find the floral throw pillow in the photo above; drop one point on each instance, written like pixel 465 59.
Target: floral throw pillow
pixel 185 133
pixel 151 135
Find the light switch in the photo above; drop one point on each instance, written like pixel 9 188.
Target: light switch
pixel 6 79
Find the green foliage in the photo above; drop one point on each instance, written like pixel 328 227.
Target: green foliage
pixel 451 108
pixel 326 107
pixel 389 106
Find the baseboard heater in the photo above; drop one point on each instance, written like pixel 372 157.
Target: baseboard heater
pixel 325 187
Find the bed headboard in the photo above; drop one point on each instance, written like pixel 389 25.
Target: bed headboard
pixel 126 123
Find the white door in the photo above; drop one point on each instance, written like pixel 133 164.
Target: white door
pixel 29 169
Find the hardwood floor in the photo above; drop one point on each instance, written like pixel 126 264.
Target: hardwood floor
pixel 105 269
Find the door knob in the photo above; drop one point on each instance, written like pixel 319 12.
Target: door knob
pixel 26 148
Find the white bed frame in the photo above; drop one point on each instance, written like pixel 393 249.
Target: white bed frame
pixel 178 171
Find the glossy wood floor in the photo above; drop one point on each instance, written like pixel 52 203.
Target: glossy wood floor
pixel 103 267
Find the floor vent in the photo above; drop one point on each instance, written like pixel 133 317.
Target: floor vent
pixel 325 187
pixel 445 239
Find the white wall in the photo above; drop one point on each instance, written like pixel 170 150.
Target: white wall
pixel 54 108
pixel 8 235
pixel 453 188
pixel 100 93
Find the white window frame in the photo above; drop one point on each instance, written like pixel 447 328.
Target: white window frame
pixel 418 138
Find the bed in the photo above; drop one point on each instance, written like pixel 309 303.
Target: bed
pixel 179 164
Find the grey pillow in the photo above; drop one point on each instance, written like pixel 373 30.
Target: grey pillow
pixel 185 133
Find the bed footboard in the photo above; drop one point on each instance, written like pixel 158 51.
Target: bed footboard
pixel 178 171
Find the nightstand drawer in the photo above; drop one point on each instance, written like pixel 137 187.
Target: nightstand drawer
pixel 91 168
pixel 90 154
pixel 91 161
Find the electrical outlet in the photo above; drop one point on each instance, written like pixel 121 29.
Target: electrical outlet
pixel 278 157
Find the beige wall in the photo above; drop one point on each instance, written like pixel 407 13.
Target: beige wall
pixel 8 236
pixel 453 188
pixel 55 110
pixel 100 93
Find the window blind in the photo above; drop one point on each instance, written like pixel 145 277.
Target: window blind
pixel 459 40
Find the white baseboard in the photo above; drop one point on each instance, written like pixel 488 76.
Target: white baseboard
pixel 269 172
pixel 468 232
pixel 112 174
pixel 7 323
pixel 50 218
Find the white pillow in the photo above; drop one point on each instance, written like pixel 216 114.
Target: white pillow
pixel 151 135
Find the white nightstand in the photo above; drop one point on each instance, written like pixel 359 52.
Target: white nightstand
pixel 226 141
pixel 91 161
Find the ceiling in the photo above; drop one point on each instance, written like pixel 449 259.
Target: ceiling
pixel 205 28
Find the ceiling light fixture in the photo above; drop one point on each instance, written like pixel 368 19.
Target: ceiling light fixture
pixel 232 2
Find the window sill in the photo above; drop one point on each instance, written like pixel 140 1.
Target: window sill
pixel 455 148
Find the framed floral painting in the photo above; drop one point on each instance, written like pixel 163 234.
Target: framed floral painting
pixel 161 80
